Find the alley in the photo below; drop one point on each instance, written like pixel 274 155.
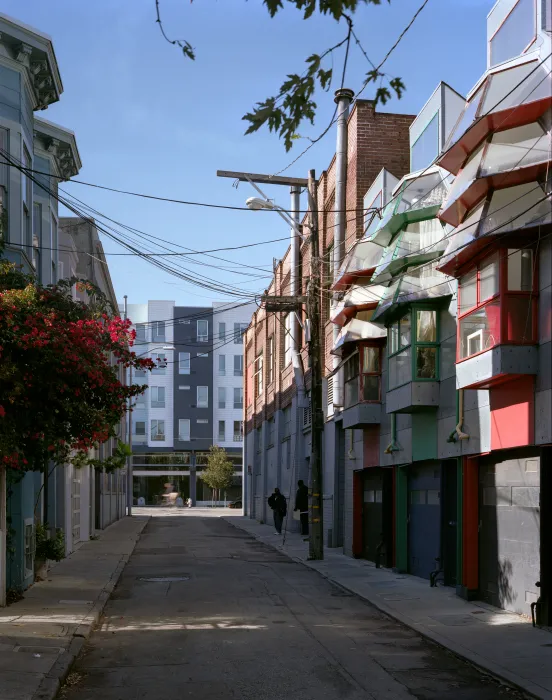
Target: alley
pixel 203 610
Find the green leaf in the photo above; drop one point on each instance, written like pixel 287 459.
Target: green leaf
pixel 398 86
pixel 382 95
pixel 325 78
pixel 273 6
pixel 187 50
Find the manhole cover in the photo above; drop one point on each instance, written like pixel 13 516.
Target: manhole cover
pixel 165 579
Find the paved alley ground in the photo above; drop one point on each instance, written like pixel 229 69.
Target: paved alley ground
pixel 203 610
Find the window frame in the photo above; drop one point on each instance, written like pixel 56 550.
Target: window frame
pixel 497 30
pixel 202 337
pixel 240 389
pixel 202 404
pixel 363 374
pixel 180 422
pixel 238 371
pixel 157 421
pixel 270 360
pixel 501 297
pixel 154 392
pixel 414 343
pixel 182 361
pixel 258 375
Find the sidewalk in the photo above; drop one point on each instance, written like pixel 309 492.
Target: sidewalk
pixel 41 635
pixel 504 644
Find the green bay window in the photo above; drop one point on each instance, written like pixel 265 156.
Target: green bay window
pixel 413 347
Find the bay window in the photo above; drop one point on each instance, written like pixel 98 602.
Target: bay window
pixel 413 347
pixel 362 374
pixel 497 303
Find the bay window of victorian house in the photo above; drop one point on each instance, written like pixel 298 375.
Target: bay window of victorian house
pixel 498 297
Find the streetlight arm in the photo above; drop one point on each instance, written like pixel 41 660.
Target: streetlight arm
pixel 278 209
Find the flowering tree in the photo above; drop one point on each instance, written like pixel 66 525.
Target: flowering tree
pixel 60 360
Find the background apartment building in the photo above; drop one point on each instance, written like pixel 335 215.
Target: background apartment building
pixel 438 436
pixel 194 397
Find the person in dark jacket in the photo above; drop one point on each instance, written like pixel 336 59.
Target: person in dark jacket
pixel 279 509
pixel 302 505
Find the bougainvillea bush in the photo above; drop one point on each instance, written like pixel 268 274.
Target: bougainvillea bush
pixel 60 360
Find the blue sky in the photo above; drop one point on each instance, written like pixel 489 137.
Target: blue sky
pixel 148 120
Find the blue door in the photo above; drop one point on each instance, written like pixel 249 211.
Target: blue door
pixel 424 518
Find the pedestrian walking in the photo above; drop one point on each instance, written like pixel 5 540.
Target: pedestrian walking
pixel 279 509
pixel 302 505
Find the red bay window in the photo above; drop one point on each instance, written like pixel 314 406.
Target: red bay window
pixel 363 375
pixel 497 302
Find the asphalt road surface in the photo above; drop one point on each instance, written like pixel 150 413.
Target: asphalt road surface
pixel 205 611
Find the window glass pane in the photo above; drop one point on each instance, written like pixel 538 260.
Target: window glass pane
pixel 488 275
pixel 140 428
pixel 515 33
pixel 159 330
pixel 351 392
pixel 400 369
pixel 426 362
pixel 222 331
pixel 480 330
pixel 184 363
pixel 221 430
pixel 202 396
pixel 418 497
pixel 393 338
pixel 140 332
pixel 515 148
pixel 371 360
pixel 519 318
pixel 238 397
pixel 238 365
pixel 202 330
pixel 426 148
pixel 371 387
pixel 404 330
pixel 222 365
pixel 221 397
pixel 433 498
pixel 468 292
pixel 426 326
pixel 184 429
pixel 520 270
pixel 466 118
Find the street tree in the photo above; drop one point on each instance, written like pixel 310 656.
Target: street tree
pixel 219 472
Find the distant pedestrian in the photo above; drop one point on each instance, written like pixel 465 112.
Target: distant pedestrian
pixel 279 509
pixel 302 505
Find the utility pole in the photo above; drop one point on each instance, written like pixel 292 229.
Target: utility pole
pixel 316 543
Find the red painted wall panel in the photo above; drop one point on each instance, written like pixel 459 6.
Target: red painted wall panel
pixel 512 413
pixel 371 436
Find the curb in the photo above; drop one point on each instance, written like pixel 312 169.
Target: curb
pixel 530 691
pixel 51 683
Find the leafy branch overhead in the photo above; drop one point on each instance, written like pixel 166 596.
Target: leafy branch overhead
pixel 294 103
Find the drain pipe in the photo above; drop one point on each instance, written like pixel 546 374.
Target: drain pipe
pixel 457 433
pixel 295 290
pixel 343 98
pixel 393 445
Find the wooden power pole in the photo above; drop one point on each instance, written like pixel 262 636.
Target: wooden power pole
pixel 315 356
pixel 289 304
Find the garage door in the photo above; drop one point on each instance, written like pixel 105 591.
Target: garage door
pixel 424 518
pixel 509 533
pixel 377 514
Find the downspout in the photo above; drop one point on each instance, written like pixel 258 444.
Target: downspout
pixel 343 99
pixel 295 290
pixel 393 445
pixel 457 433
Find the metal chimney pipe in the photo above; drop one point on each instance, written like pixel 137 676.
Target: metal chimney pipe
pixel 295 289
pixel 343 98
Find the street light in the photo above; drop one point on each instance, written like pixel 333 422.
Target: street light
pixel 258 204
pixel 130 469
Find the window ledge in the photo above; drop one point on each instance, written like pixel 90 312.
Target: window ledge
pixel 495 365
pixel 412 397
